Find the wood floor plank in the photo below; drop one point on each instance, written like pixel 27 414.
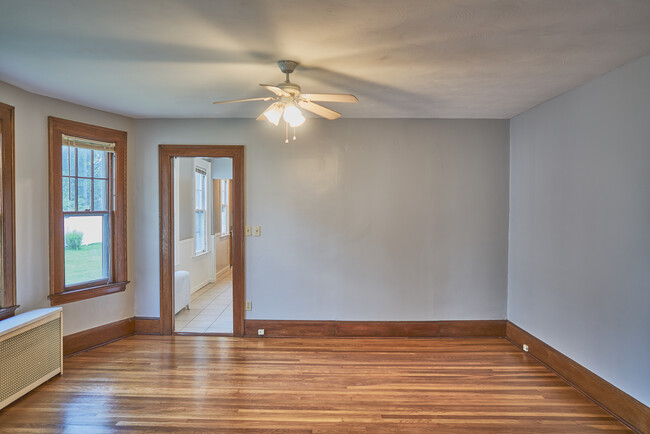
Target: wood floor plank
pixel 225 384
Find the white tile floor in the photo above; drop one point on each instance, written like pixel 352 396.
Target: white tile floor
pixel 210 309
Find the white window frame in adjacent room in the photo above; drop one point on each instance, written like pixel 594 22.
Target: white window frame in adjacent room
pixel 202 167
pixel 224 207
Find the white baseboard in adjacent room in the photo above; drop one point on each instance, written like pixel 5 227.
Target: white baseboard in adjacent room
pixel 201 285
pixel 223 271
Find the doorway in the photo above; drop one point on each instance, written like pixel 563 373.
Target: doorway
pixel 227 283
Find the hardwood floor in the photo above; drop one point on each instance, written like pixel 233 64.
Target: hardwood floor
pixel 223 384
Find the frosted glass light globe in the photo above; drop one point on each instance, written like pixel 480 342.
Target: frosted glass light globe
pixel 293 116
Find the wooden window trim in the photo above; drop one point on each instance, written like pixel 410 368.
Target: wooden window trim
pixel 8 304
pixel 59 294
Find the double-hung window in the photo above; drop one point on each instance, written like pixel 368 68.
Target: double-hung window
pixel 200 211
pixel 87 211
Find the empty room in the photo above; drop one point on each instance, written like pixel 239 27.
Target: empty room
pixel 325 216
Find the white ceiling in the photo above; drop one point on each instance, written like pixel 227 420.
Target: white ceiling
pixel 403 59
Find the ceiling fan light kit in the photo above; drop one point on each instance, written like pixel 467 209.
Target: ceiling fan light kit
pixel 273 113
pixel 288 101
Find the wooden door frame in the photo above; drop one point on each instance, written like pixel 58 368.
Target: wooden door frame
pixel 166 154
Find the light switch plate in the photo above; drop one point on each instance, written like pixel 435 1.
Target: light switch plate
pixel 247 231
pixel 257 231
pixel 249 305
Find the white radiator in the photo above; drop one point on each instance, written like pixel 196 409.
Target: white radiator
pixel 31 352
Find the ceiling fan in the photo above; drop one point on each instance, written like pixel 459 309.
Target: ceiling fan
pixel 288 101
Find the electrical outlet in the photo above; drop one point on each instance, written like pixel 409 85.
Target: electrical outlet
pixel 260 332
pixel 257 231
pixel 247 231
pixel 525 347
pixel 249 305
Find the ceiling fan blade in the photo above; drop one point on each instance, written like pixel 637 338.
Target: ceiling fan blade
pixel 319 110
pixel 267 98
pixel 276 90
pixel 329 97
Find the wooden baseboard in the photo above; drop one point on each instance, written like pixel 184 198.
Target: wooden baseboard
pixel 97 336
pixel 147 326
pixel 630 411
pixel 282 328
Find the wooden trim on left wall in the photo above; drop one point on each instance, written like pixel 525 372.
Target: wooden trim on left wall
pixel 8 304
pixel 98 336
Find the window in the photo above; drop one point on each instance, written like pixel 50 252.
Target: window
pixel 200 211
pixel 225 226
pixel 7 238
pixel 87 211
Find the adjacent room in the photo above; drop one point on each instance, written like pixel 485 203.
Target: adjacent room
pixel 325 216
pixel 202 245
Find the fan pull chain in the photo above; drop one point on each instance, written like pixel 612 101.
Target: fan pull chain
pixel 294 133
pixel 286 132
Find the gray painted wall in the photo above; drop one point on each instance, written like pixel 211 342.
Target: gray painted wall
pixel 361 219
pixel 221 168
pixel 32 212
pixel 579 252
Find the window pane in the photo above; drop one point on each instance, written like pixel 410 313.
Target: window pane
pixel 224 191
pixel 224 220
pixel 84 193
pixel 69 192
pixel 199 197
pixel 72 155
pixel 99 164
pixel 197 181
pixel 85 162
pixel 199 234
pixel 87 249
pixel 100 193
pixel 65 161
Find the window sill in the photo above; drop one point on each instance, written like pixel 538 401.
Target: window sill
pixel 198 255
pixel 86 293
pixel 7 312
pixel 223 237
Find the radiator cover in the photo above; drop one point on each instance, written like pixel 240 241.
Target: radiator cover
pixel 31 352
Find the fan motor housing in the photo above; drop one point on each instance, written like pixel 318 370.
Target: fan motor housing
pixel 291 88
pixel 287 66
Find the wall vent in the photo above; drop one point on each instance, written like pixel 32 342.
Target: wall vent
pixel 31 352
